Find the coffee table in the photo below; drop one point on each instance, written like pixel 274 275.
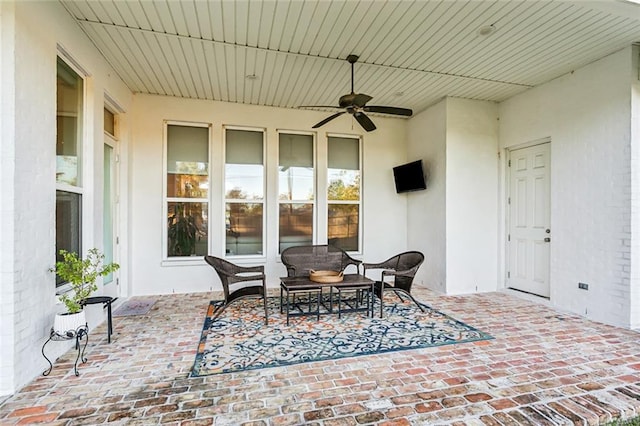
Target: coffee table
pixel 291 286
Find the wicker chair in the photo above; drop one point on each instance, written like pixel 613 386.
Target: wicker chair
pixel 233 278
pixel 402 268
pixel 299 260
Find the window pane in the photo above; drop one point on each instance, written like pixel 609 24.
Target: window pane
pixel 343 185
pixel 68 224
pixel 187 161
pixel 295 150
pixel 243 147
pixel 295 172
pixel 244 228
pixel 344 153
pixel 187 185
pixel 295 183
pixel 296 225
pixel 343 226
pixel 108 210
pixel 187 229
pixel 109 122
pixel 69 99
pixel 344 169
pixel 244 170
pixel 244 182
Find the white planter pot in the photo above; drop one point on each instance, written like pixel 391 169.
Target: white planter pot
pixel 66 322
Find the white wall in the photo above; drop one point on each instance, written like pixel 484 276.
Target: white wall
pixel 634 299
pixel 384 211
pixel 29 51
pixel 7 209
pixel 472 196
pixel 426 213
pixel 454 222
pixel 587 116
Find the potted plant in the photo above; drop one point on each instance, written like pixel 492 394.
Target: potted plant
pixel 82 275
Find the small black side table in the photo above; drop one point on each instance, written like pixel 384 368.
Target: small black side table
pixel 78 334
pixel 106 302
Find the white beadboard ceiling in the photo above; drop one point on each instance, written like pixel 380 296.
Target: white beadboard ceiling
pixel 412 53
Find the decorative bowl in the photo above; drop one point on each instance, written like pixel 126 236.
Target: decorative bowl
pixel 325 276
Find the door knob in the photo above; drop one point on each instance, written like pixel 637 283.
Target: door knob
pixel 547 240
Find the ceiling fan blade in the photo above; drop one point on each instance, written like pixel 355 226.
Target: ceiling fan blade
pixel 320 106
pixel 364 121
pixel 328 119
pixel 388 110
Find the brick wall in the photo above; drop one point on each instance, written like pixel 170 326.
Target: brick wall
pixel 586 114
pixel 30 34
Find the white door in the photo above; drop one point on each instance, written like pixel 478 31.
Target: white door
pixel 529 234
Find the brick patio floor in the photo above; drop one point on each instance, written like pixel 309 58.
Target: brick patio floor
pixel 543 367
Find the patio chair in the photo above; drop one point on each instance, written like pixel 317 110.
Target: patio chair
pixel 234 277
pixel 402 268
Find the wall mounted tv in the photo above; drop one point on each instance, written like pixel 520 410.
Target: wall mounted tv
pixel 409 177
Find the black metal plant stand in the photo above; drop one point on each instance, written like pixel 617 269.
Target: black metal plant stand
pixel 78 334
pixel 106 303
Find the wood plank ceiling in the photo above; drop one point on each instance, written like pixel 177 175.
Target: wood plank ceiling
pixel 287 53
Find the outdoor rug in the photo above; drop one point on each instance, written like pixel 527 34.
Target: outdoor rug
pixel 239 340
pixel 134 307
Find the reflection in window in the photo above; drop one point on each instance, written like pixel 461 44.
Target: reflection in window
pixel 69 106
pixel 296 225
pixel 244 228
pixel 68 224
pixel 343 226
pixel 295 189
pixel 343 193
pixel 244 192
pixel 187 190
pixel 187 229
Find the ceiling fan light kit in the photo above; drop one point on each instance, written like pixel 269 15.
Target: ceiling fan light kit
pixel 356 105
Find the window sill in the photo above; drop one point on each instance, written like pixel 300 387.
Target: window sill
pixel 185 261
pixel 64 288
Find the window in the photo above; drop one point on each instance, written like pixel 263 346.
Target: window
pixel 295 190
pixel 187 190
pixel 244 192
pixel 109 122
pixel 343 193
pixel 69 118
pixel 109 192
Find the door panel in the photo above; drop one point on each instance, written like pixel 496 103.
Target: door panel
pixel 529 220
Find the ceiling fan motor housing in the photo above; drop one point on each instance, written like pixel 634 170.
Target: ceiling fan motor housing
pixel 354 100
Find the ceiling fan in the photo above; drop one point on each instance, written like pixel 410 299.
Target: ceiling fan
pixel 356 105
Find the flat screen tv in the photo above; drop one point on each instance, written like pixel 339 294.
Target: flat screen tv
pixel 409 177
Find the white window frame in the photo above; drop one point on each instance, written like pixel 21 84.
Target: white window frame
pixel 182 260
pixel 314 201
pixel 225 200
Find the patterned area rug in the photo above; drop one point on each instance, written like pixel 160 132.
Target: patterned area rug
pixel 134 307
pixel 239 340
